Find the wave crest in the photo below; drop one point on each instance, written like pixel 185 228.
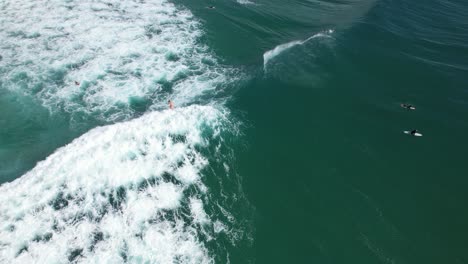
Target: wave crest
pixel 271 54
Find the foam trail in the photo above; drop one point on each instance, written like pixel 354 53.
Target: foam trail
pixel 269 55
pixel 128 192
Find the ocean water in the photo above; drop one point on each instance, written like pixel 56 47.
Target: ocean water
pixel 286 143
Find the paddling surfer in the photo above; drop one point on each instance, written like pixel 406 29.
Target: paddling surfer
pixel 408 106
pixel 415 133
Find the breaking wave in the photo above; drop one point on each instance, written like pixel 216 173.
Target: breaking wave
pixel 134 191
pixel 127 56
pixel 131 191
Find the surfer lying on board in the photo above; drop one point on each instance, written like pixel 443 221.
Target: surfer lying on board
pixel 414 133
pixel 408 106
pixel 171 104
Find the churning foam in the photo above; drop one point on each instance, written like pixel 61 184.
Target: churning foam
pixel 269 55
pixel 121 52
pixel 131 191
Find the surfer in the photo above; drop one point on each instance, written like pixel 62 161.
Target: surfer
pixel 414 133
pixel 171 104
pixel 210 7
pixel 408 106
pixel 77 83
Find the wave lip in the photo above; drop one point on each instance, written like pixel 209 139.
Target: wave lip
pixel 131 191
pixel 271 54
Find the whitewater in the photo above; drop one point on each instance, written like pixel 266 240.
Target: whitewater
pixel 132 189
pixel 146 51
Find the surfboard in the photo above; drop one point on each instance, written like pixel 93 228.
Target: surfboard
pixel 410 108
pixel 416 134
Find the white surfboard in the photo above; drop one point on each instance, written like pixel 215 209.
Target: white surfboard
pixel 410 108
pixel 415 134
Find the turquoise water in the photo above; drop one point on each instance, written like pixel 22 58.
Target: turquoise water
pixel 286 144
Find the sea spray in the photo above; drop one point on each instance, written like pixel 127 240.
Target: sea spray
pixel 271 54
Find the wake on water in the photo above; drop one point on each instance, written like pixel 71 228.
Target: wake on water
pixel 271 54
pixel 131 191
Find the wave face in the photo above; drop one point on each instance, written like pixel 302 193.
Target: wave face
pixel 132 192
pixel 125 55
pixel 271 54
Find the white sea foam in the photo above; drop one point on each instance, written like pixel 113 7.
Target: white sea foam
pixel 198 213
pixel 120 52
pixel 131 191
pixel 128 192
pixel 269 55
